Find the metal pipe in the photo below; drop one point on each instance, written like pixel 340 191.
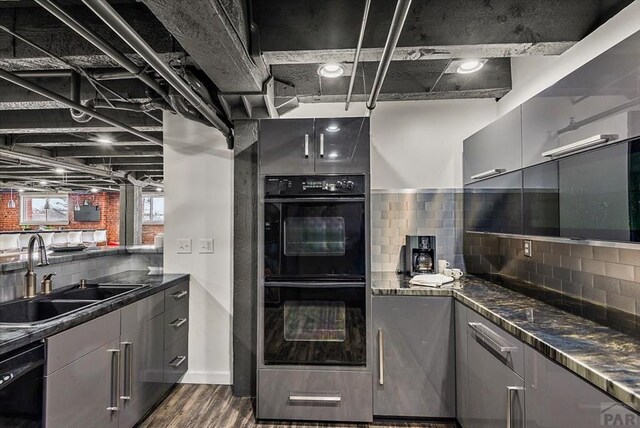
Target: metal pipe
pixel 104 10
pixel 399 17
pixel 44 73
pixel 356 56
pixel 144 183
pixel 103 45
pixel 75 106
pixel 111 74
pixel 118 105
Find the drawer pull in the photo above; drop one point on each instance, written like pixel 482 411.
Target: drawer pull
pixel 178 323
pixel 179 295
pixel 177 361
pixel 491 338
pixel 297 398
pixel 487 174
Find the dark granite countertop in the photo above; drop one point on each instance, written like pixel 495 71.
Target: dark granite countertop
pixel 604 356
pixel 10 263
pixel 15 337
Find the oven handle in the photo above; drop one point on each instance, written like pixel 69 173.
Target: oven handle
pixel 311 284
pixel 315 199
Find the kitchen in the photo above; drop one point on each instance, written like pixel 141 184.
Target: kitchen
pixel 297 199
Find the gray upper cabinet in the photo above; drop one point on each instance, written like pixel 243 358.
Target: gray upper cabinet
pixel 342 145
pixel 286 146
pixel 414 372
pixel 600 98
pixel 305 146
pixel 497 146
pixel 556 398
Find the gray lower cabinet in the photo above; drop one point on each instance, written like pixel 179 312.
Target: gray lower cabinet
pixel 414 357
pixel 462 401
pixel 556 398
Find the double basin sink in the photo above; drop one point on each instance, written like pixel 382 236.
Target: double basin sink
pixel 44 308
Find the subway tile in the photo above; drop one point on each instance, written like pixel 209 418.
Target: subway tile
pixel 619 271
pixel 561 249
pixel 572 289
pixel 584 279
pixel 541 246
pixel 544 269
pixel 561 273
pixel 630 289
pixel 610 285
pixel 623 303
pixel 594 295
pixel 582 251
pixel 551 259
pixel 536 278
pixel 606 254
pixel 553 283
pixel 569 262
pixel 629 257
pixel 595 267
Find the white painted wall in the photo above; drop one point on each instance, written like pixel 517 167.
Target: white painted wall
pixel 415 144
pixel 612 32
pixel 198 171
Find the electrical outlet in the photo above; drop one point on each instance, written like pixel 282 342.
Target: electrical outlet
pixel 206 246
pixel 184 246
pixel 528 249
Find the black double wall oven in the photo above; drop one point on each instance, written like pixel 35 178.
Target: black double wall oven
pixel 315 270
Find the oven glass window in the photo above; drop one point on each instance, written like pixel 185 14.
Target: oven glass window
pixel 314 321
pixel 314 236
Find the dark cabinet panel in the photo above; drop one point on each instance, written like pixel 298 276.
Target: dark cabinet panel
pixel 342 145
pixel 494 205
pixel 541 200
pixel 497 146
pixel 594 195
pixel 286 146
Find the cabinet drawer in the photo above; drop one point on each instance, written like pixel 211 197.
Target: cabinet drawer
pixel 66 347
pixel 176 322
pixel 176 294
pixel 137 313
pixel 176 361
pixel 315 395
pixel 501 344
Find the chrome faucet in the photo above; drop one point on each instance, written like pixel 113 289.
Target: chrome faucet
pixel 43 260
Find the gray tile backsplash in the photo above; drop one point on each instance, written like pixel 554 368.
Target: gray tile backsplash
pixel 603 275
pixel 395 214
pixel 12 283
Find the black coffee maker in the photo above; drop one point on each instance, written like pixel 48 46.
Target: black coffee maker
pixel 420 255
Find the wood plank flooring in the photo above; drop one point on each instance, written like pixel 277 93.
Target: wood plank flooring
pixel 214 406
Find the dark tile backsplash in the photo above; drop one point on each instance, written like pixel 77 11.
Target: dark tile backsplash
pixel 396 214
pixel 603 275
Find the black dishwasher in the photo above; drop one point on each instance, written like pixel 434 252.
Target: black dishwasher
pixel 21 387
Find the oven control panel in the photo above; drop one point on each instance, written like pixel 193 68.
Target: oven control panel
pixel 314 185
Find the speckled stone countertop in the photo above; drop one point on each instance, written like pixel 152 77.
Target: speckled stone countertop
pixel 13 262
pixel 602 355
pixel 15 337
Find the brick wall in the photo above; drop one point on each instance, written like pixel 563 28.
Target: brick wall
pixel 149 231
pixel 109 204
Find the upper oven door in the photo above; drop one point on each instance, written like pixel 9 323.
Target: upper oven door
pixel 319 239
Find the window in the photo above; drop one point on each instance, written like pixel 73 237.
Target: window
pixel 153 209
pixel 43 208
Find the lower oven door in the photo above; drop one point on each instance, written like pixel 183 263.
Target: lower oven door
pixel 315 325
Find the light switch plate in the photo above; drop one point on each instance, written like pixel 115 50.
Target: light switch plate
pixel 528 249
pixel 206 246
pixel 184 246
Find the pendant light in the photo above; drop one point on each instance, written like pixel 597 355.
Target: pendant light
pixel 12 203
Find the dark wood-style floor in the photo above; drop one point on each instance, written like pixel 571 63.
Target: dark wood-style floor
pixel 204 406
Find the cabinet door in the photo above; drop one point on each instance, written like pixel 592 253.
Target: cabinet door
pixel 495 392
pixel 462 402
pixel 556 398
pixel 414 357
pixel 541 200
pixel 342 145
pixel 494 205
pixel 85 392
pixel 286 146
pixel 594 194
pixel 497 146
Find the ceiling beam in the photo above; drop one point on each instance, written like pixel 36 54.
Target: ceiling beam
pixel 418 53
pixel 107 152
pixel 139 168
pixel 409 96
pixel 83 61
pixel 116 139
pixel 126 161
pixel 215 35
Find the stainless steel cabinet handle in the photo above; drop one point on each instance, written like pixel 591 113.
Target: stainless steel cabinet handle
pixel 487 174
pixel 315 398
pixel 510 392
pixel 491 338
pixel 177 361
pixel 306 145
pixel 579 146
pixel 115 379
pixel 178 323
pixel 128 367
pixel 380 357
pixel 179 295
pixel 321 145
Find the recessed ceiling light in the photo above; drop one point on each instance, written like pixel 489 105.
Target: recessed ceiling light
pixel 94 190
pixel 470 66
pixel 158 189
pixel 104 140
pixel 44 182
pixel 333 128
pixel 331 70
pixel 60 170
pixel 333 155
